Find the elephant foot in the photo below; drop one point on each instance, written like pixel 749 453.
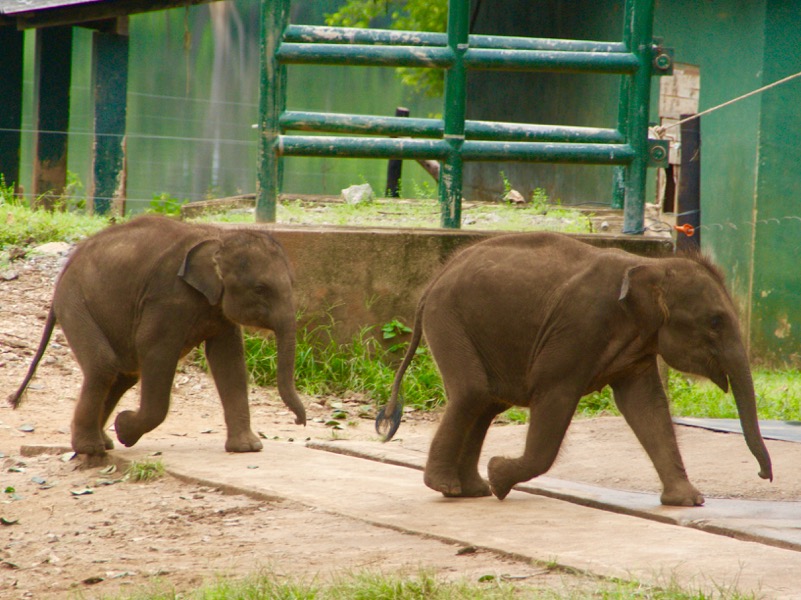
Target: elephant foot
pixel 109 443
pixel 682 495
pixel 91 445
pixel 243 442
pixel 475 487
pixel 450 487
pixel 502 478
pixel 128 432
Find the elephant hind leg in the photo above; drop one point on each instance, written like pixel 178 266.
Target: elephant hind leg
pixel 453 455
pixel 87 424
pixel 550 418
pixel 472 484
pixel 100 370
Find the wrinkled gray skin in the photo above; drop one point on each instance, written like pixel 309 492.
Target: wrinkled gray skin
pixel 135 298
pixel 541 319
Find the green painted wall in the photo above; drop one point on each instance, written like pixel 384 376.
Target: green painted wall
pixel 776 289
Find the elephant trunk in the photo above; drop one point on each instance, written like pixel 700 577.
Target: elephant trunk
pixel 285 338
pixel 742 387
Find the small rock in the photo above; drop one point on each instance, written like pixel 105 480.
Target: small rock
pixel 358 194
pixel 53 249
pixel 514 197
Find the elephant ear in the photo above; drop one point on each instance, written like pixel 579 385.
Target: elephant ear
pixel 642 295
pixel 199 270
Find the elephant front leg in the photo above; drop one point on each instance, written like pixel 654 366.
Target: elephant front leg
pixel 550 418
pixel 641 399
pixel 121 384
pixel 226 356
pixel 157 372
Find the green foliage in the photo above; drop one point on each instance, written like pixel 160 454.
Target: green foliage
pixel 325 367
pixel 368 585
pixel 145 470
pixel 7 196
pixel 22 226
pixel 403 15
pixel 392 330
pixel 165 204
pixel 425 213
pixel 778 395
pixel 507 185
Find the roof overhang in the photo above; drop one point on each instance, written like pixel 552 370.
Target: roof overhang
pixel 28 14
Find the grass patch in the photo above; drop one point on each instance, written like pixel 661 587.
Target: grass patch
pixel 496 216
pixel 22 226
pixel 324 367
pixel 778 394
pixel 145 470
pixel 426 586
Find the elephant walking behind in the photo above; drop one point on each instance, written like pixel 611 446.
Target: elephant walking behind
pixel 539 320
pixel 135 298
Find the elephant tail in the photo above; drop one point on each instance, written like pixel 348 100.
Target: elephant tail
pixel 389 417
pixel 15 398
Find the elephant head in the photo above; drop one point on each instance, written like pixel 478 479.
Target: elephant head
pixel 247 274
pixel 683 305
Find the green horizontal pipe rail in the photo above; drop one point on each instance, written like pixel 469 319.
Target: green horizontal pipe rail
pixel 363 55
pixel 351 35
pixel 359 147
pixel 588 154
pixel 454 139
pixel 438 57
pixel 416 127
pixel 551 60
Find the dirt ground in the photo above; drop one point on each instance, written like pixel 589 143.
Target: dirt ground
pixel 68 531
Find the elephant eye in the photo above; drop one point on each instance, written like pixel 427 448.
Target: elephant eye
pixel 717 322
pixel 262 289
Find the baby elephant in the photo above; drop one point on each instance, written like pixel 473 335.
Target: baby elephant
pixel 135 298
pixel 541 319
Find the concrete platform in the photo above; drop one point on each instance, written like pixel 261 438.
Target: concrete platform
pixel 642 540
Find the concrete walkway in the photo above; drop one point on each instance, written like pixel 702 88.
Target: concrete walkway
pixel 646 544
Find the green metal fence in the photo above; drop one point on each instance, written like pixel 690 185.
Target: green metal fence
pixel 454 139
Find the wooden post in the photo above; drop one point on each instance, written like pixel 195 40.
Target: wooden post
pixel 51 96
pixel 11 47
pixel 689 200
pixel 395 165
pixel 110 85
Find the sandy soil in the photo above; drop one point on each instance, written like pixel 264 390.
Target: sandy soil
pixel 59 540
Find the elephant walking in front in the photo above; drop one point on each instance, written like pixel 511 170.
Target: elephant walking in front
pixel 135 298
pixel 539 320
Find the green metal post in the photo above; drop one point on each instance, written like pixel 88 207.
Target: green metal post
pixel 618 172
pixel 638 33
pixel 11 43
pixel 274 19
pixel 450 179
pixel 110 83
